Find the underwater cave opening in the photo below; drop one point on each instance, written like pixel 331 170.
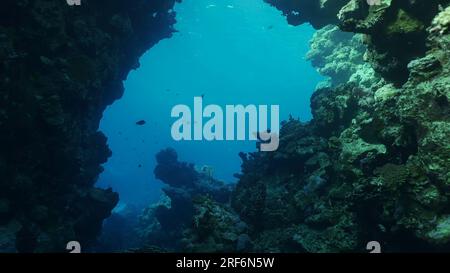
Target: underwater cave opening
pixel 228 52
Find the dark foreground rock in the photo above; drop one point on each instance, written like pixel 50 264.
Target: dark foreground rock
pixel 60 67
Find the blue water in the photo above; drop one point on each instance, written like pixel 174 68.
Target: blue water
pixel 232 52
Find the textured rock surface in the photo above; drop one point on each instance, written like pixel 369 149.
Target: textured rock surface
pixel 374 163
pixel 60 67
pixel 195 204
pixel 215 228
pixel 395 30
pixel 340 56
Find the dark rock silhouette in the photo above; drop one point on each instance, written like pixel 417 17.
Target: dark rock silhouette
pixel 186 186
pixel 172 172
pixel 61 66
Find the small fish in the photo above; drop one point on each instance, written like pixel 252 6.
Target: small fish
pixel 270 27
pixel 203 96
pixel 141 122
pixel 140 166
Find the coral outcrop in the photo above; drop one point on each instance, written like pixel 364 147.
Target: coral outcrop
pixel 216 228
pixel 195 202
pixel 395 30
pixel 373 164
pixel 341 57
pixel 60 67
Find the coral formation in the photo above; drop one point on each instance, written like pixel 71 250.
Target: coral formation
pixel 61 66
pixel 374 161
pixel 194 203
pixel 395 30
pixel 341 57
pixel 215 228
pixel 373 164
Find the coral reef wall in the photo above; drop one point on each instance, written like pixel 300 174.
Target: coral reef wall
pixel 60 67
pixel 340 56
pixel 395 30
pixel 374 163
